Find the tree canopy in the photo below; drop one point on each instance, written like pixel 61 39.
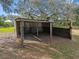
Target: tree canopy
pixel 55 9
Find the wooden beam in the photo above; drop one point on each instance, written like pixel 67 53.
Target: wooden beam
pixel 41 21
pixel 36 38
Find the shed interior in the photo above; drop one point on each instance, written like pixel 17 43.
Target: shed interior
pixel 30 28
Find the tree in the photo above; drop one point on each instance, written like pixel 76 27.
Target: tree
pixel 6 5
pixel 1 22
pixel 76 12
pixel 36 8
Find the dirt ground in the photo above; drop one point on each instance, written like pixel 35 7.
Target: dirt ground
pixel 9 48
pixel 60 48
pixel 75 31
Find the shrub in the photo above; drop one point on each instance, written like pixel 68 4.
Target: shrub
pixel 8 24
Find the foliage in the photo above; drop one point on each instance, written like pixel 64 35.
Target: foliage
pixel 1 22
pixel 6 5
pixel 53 9
pixel 42 9
pixel 8 24
pixel 76 12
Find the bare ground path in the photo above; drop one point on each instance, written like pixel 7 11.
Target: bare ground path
pixel 75 31
pixel 9 49
pixel 59 49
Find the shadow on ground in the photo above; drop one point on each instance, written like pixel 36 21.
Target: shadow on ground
pixel 60 48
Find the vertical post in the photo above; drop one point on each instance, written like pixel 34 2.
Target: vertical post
pixel 70 29
pixel 15 28
pixel 22 32
pixel 37 28
pixel 50 32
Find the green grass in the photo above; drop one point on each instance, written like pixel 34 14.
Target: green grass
pixel 8 29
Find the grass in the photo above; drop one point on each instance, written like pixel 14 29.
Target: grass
pixel 8 29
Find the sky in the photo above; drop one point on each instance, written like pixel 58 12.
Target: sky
pixel 76 1
pixel 3 13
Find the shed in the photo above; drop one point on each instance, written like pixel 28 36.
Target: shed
pixel 25 26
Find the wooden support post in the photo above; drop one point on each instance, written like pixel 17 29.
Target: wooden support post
pixel 37 28
pixel 70 30
pixel 22 32
pixel 15 28
pixel 50 32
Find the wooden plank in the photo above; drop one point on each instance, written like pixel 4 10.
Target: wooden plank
pixel 33 21
pixel 37 38
pixel 36 21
